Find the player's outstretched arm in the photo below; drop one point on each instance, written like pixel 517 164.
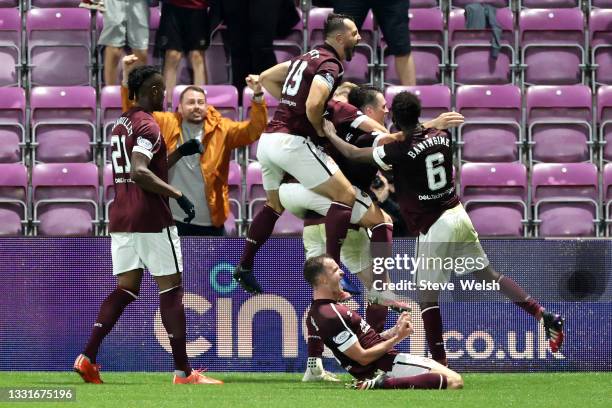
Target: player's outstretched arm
pixel 273 78
pixel 445 121
pixel 354 153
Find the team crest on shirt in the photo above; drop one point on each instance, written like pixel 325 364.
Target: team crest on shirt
pixel 144 143
pixel 342 337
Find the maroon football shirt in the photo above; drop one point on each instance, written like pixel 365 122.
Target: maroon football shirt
pixel 136 210
pixel 290 116
pixel 423 176
pixel 340 327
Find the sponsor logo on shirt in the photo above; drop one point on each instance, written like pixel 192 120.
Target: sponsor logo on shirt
pixel 342 337
pixel 144 143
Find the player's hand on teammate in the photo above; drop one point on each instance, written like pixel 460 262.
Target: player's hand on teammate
pixel 404 325
pixel 380 188
pixel 187 206
pixel 128 63
pixel 448 120
pixel 328 128
pixel 252 82
pixel 190 147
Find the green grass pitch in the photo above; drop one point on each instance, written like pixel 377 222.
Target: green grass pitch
pixel 285 390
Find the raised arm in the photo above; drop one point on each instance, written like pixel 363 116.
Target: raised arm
pixel 273 78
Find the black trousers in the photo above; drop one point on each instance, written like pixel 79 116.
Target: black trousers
pixel 251 28
pixel 198 230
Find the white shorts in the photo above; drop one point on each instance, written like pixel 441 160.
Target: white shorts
pixel 281 153
pixel 355 251
pixel 407 365
pixel 159 252
pixel 297 199
pixel 450 245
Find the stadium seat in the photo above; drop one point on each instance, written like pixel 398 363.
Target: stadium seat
pixel 470 51
pixel 600 29
pixel 358 69
pixel 293 45
pixel 218 64
pixel 53 3
pixel 13 199
pixel 288 224
pixel 558 124
pixel 65 199
pixel 463 3
pixel 235 189
pixel 495 197
pixel 604 121
pixel 553 46
pixel 565 199
pixel 435 99
pixel 224 98
pixel 607 196
pixel 12 129
pixel 59 46
pixel 110 110
pixel 108 191
pixel 10 47
pixel 63 124
pixel 417 4
pixel 600 3
pixel 543 4
pixel 10 3
pixel 493 130
pixel 427 42
pixel 271 104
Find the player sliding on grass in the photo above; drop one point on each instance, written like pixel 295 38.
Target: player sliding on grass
pixel 422 166
pixel 142 229
pixel 358 348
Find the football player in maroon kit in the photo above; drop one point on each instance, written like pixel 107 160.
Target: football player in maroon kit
pixel 142 229
pixel 422 164
pixel 290 143
pixel 358 348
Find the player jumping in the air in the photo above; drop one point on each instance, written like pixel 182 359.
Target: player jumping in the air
pixel 141 227
pixel 303 86
pixel 358 348
pixel 421 161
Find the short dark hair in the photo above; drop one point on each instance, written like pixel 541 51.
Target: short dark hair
pixel 138 77
pixel 363 95
pixel 192 88
pixel 313 267
pixel 406 109
pixel 334 23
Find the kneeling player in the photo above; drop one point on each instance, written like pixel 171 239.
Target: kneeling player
pixel 358 348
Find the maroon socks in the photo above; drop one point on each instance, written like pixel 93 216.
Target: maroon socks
pixel 109 313
pixel 427 381
pixel 259 232
pixel 520 298
pixel 432 321
pixel 173 319
pixel 337 222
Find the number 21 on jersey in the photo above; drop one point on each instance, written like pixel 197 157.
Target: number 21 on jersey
pixel 118 151
pixel 294 77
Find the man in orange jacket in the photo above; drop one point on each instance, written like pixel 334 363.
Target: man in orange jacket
pixel 203 176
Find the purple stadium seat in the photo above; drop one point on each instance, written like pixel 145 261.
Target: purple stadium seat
pixel 59 46
pixel 607 196
pixel 13 199
pixel 495 3
pixel 63 124
pixel 435 99
pixel 54 3
pixel 417 4
pixel 600 3
pixel 10 3
pixel 288 224
pixel 604 120
pixel 223 98
pixel 358 70
pixel 271 104
pixel 218 66
pixel 12 130
pixel 110 110
pixel 291 46
pixel 65 198
pixel 553 46
pixel 471 61
pixel 600 29
pixel 427 40
pixel 565 198
pixel 493 131
pixel 543 4
pixel 230 226
pixel 495 197
pixel 10 47
pixel 235 189
pixel 559 126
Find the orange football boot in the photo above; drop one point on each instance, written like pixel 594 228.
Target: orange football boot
pixel 196 377
pixel 88 371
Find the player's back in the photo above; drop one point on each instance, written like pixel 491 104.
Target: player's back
pixel 134 209
pixel 290 116
pixel 423 176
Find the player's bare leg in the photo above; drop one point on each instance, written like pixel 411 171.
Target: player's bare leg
pixel 553 322
pixel 432 322
pixel 173 318
pixel 128 287
pixel 260 230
